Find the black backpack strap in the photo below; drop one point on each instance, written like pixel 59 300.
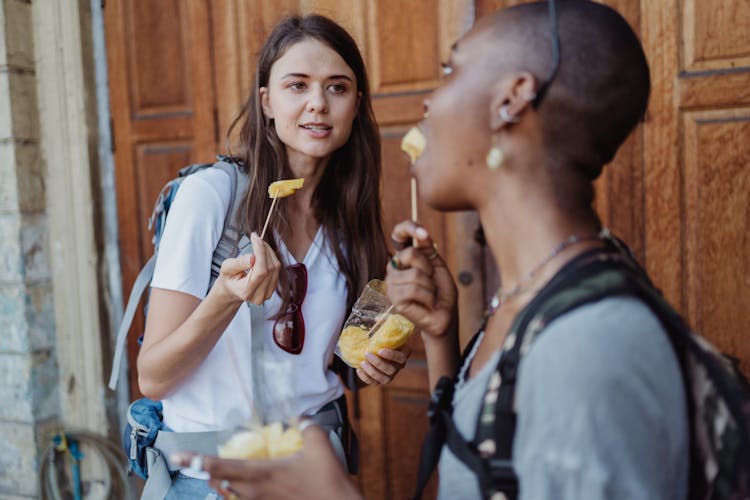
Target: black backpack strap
pixel 439 413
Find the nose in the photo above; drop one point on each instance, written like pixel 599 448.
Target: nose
pixel 317 102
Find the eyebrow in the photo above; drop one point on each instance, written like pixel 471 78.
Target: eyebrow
pixel 305 75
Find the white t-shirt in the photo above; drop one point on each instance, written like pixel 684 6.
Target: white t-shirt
pixel 211 398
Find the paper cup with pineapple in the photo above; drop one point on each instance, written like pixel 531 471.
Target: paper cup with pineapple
pixel 372 326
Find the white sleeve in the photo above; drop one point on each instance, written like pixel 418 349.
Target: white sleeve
pixel 191 232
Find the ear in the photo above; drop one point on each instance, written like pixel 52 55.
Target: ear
pixel 515 93
pixel 265 103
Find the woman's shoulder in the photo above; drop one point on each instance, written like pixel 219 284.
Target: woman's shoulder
pixel 213 179
pixel 605 339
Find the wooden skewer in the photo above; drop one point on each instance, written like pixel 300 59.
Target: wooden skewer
pixel 265 226
pixel 414 199
pixel 380 321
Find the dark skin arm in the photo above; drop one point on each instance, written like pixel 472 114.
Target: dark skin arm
pixel 423 290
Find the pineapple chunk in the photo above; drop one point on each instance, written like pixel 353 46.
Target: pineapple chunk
pixel 392 334
pixel 281 189
pixel 413 143
pixel 248 444
pixel 271 441
pixel 352 345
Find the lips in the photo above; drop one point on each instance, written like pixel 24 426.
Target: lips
pixel 317 130
pixel 316 126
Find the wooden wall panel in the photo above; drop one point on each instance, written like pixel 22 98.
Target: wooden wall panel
pixel 239 28
pixel 156 41
pixel 620 192
pixel 716 34
pixel 395 42
pixel 155 164
pixel 717 226
pixel 663 231
pixel 404 408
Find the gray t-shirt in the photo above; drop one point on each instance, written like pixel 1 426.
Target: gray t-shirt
pixel 601 411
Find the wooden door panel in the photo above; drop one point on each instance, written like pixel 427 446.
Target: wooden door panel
pixel 161 95
pixel 405 45
pixel 717 232
pixel 152 46
pixel 404 411
pixel 716 34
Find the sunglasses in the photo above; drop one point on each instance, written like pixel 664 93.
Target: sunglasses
pixel 289 328
pixel 555 55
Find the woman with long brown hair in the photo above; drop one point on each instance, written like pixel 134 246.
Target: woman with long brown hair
pixel 308 116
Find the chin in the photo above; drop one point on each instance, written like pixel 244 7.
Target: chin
pixel 444 202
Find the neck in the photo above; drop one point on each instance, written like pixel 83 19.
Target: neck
pixel 311 169
pixel 523 231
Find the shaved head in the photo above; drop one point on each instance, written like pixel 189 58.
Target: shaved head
pixel 601 88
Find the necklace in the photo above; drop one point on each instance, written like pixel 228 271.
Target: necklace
pixel 500 297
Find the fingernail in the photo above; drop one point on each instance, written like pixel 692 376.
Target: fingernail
pixel 422 232
pixel 254 235
pixel 370 356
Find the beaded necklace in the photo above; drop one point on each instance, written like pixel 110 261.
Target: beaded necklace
pixel 500 297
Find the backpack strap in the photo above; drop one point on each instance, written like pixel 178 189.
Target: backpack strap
pixel 440 418
pixel 439 414
pixel 231 234
pixel 141 282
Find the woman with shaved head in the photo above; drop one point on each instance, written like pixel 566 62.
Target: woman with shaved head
pixel 535 101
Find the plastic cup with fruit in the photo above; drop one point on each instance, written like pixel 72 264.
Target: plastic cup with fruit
pixel 372 326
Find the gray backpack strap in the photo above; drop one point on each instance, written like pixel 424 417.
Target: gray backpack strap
pixel 141 282
pixel 157 457
pixel 159 480
pixel 228 245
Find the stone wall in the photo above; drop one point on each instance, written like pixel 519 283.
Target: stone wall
pixel 29 389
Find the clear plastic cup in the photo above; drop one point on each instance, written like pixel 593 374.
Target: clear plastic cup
pixel 371 326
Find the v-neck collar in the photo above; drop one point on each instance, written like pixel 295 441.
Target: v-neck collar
pixel 312 252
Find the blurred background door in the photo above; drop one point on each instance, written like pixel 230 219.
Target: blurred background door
pixel 679 191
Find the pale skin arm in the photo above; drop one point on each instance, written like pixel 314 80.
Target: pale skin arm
pixel 181 329
pixel 424 291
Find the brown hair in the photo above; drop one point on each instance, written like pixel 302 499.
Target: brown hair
pixel 347 200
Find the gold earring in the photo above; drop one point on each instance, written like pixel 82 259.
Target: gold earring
pixel 494 158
